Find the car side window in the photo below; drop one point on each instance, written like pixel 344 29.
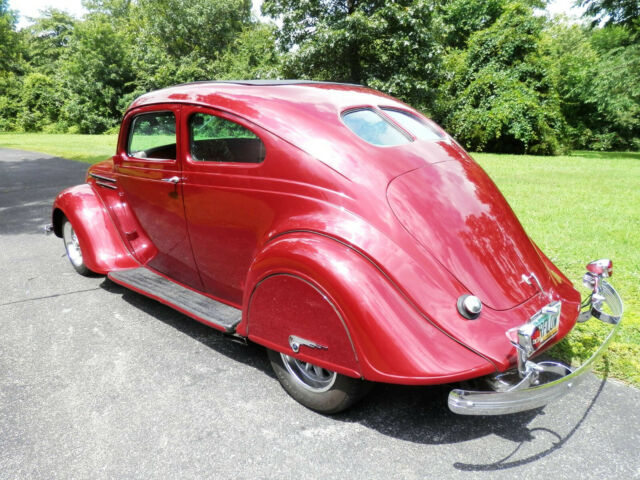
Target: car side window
pixel 153 136
pixel 215 139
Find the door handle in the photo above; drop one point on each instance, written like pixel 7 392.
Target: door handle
pixel 174 179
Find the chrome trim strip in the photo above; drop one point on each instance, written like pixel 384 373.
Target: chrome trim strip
pixel 100 177
pixel 106 185
pixel 467 402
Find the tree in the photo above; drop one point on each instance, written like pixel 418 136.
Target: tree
pixel 47 39
pixel 200 27
pixel 497 94
pixel 619 12
pixel 96 74
pixel 593 70
pixel 9 39
pixel 387 45
pixel 252 54
pixel 464 17
pixel 11 66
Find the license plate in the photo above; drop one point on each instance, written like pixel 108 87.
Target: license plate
pixel 546 322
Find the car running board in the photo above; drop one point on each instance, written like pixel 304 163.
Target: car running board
pixel 189 302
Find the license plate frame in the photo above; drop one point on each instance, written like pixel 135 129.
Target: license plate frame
pixel 547 323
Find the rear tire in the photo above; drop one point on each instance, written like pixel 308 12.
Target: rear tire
pixel 73 249
pixel 317 388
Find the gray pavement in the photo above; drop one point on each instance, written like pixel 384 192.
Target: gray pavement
pixel 100 382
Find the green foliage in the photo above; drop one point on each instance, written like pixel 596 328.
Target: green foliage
pixel 96 73
pixel 600 97
pixel 47 38
pixel 464 17
pixel 200 27
pixel 9 107
pixel 621 12
pixel 386 45
pixel 494 74
pixel 549 197
pixel 252 54
pixel 496 94
pixel 9 39
pixel 38 103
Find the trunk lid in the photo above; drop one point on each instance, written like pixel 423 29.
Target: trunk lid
pixel 456 212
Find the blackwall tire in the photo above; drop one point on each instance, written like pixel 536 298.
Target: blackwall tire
pixel 72 247
pixel 318 389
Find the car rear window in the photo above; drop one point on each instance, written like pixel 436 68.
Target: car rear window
pixel 373 128
pixel 413 124
pixel 215 139
pixel 153 136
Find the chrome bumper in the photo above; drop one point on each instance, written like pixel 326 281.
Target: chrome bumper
pixel 529 392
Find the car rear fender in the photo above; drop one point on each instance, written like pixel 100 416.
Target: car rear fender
pixel 320 291
pixel 102 248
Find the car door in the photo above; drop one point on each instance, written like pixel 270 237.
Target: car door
pixel 226 209
pixel 150 175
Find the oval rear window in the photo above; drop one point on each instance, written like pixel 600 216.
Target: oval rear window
pixel 413 124
pixel 373 128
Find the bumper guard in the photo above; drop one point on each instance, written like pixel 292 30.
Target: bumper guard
pixel 527 391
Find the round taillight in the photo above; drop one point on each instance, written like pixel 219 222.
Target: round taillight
pixel 469 306
pixel 602 267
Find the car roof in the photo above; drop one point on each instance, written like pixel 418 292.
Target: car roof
pixel 270 82
pixel 304 113
pixel 228 93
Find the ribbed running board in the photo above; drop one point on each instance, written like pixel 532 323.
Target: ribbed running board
pixel 176 296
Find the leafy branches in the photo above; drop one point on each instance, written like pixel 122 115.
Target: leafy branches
pixel 495 74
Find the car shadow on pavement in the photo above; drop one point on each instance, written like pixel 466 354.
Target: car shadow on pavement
pixel 250 354
pixel 417 414
pixel 421 415
pixel 28 188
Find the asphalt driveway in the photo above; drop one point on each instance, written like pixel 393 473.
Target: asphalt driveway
pixel 100 382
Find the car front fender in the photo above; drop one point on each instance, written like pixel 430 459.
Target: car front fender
pixel 391 341
pixel 102 248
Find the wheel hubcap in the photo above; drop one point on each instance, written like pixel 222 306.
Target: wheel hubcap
pixel 72 245
pixel 311 377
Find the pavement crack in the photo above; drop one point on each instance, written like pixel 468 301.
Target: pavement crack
pixel 50 296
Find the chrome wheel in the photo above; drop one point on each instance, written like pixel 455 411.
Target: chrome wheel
pixel 311 377
pixel 315 387
pixel 72 245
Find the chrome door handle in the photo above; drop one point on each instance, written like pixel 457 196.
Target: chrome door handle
pixel 173 179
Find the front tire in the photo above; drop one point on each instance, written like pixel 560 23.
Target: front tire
pixel 315 387
pixel 72 246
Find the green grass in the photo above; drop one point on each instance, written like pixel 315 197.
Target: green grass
pixel 84 148
pixel 579 208
pixel 576 208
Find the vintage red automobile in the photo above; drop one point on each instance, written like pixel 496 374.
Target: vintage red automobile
pixel 340 229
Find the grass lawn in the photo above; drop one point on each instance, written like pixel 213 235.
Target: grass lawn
pixel 576 208
pixel 579 208
pixel 84 148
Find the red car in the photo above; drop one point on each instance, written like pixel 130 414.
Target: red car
pixel 340 229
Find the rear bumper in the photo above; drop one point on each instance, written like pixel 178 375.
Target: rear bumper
pixel 522 396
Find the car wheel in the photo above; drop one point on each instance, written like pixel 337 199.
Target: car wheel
pixel 315 387
pixel 72 246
